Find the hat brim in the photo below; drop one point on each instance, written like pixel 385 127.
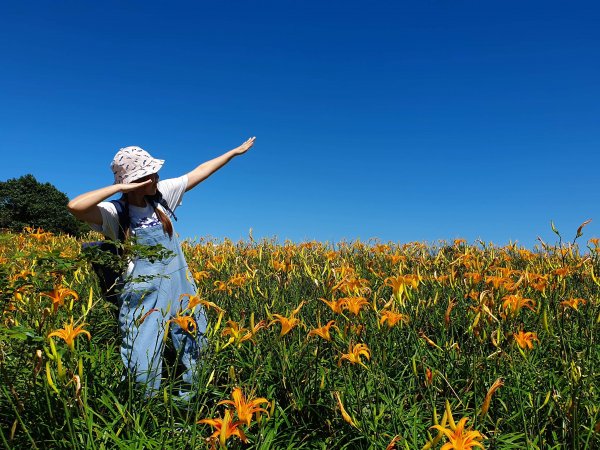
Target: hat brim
pixel 151 167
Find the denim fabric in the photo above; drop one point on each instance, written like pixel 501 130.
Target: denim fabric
pixel 150 298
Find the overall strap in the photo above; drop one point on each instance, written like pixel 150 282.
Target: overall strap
pixel 123 219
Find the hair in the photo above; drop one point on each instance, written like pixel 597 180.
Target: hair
pixel 153 200
pixel 164 219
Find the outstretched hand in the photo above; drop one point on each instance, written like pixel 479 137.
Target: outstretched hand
pixel 245 146
pixel 128 187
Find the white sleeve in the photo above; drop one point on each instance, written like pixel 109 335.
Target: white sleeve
pixel 110 221
pixel 172 190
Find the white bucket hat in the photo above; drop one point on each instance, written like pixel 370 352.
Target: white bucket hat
pixel 133 163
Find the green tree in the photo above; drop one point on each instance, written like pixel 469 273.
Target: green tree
pixel 25 202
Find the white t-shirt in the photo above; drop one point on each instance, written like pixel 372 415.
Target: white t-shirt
pixel 172 191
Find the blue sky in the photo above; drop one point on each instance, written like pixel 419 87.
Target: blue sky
pixel 403 121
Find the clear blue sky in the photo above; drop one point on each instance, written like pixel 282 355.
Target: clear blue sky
pixel 405 121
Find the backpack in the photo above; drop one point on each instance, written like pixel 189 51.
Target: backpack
pixel 109 276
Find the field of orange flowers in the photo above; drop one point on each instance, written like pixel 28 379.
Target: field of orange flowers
pixel 314 345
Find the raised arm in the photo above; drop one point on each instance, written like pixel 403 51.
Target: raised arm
pixel 206 169
pixel 85 206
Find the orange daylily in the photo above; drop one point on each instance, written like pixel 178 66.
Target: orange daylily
pixel 69 333
pixel 225 428
pixel 323 331
pixel 488 397
pixel 58 296
pixel 473 277
pixel 38 234
pixel 428 377
pixel 195 300
pixel 573 303
pixel 393 442
pixel 335 305
pixel 200 275
pixel 460 439
pixel 525 339
pixel 355 304
pixel 187 323
pixel 392 318
pixel 395 259
pixel 512 304
pixel 352 284
pixel 240 334
pixel 561 271
pixel 496 281
pixel 345 414
pixel 282 266
pixel 400 282
pixel 287 323
pixel 245 409
pixel 238 280
pixel 355 353
pixel 221 286
pixel 23 274
pixel 538 282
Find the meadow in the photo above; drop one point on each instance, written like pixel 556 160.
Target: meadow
pixel 357 345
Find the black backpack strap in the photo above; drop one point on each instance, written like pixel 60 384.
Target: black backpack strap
pixel 163 202
pixel 123 219
pixel 158 199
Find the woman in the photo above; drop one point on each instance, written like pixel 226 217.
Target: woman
pixel 153 290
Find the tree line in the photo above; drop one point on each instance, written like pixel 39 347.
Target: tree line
pixel 25 202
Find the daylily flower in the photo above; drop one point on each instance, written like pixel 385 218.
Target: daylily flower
pixel 460 439
pixel 573 303
pixel 221 286
pixel 561 271
pixel 323 331
pixel 240 334
pixel 58 296
pixel 283 266
pixel 395 259
pixel 400 282
pixel 140 320
pixel 393 442
pixel 355 304
pixel 473 277
pixel 245 409
pixel 225 428
pixel 287 323
pixel 525 340
pixel 200 275
pixel 238 280
pixel 512 304
pixel 69 333
pixel 496 281
pixel 428 377
pixel 23 274
pixel 187 323
pixel 488 397
pixel 355 353
pixel 392 318
pixel 345 414
pixel 335 305
pixel 195 300
pixel 538 282
pixel 38 234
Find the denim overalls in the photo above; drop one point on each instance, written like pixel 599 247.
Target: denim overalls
pixel 150 298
